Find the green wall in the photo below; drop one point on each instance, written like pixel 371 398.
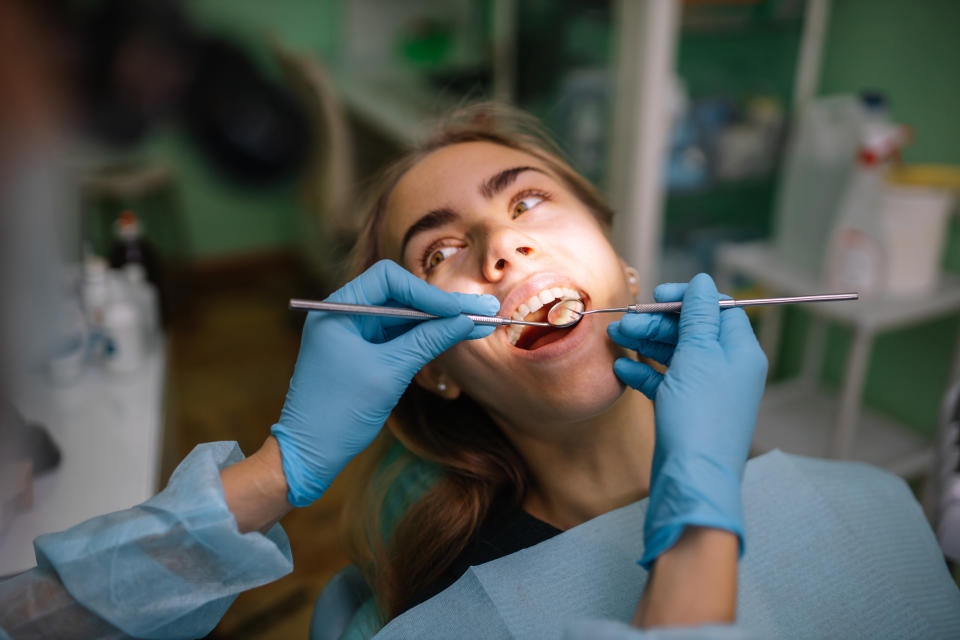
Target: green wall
pixel 911 50
pixel 222 217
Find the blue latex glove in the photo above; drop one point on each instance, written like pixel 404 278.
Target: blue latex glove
pixel 705 407
pixel 352 370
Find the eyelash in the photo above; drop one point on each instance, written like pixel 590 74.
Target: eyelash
pixel 436 246
pixel 536 193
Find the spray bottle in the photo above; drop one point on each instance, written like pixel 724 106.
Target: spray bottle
pixel 855 257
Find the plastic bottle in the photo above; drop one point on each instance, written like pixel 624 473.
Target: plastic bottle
pixel 144 296
pixel 130 246
pixel 856 259
pixel 96 289
pixel 124 333
pixel 820 158
pixel 123 327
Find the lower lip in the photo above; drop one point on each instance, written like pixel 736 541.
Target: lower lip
pixel 575 338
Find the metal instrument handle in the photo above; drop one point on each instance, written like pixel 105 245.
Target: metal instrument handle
pixel 396 312
pixel 666 307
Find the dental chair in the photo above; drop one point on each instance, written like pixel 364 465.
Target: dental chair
pixel 345 609
pixel 339 602
pixel 848 554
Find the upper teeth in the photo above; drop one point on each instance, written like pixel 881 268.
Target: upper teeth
pixel 535 303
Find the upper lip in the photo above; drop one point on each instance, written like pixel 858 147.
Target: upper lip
pixel 536 283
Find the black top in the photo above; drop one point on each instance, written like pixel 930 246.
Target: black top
pixel 502 534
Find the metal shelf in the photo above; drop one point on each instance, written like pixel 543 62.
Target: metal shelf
pixel 800 418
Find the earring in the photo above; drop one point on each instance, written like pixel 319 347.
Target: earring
pixel 441 386
pixel 633 281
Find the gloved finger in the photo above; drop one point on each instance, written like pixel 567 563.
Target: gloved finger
pixel 661 327
pixel 700 315
pixel 735 330
pixel 427 340
pixel 638 375
pixel 397 328
pixel 481 331
pixel 485 305
pixel 482 305
pixel 660 351
pixel 673 292
pixel 669 291
pixel 387 281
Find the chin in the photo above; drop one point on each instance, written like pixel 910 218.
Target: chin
pixel 589 394
pixel 573 396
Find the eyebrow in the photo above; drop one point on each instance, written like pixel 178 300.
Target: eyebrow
pixel 489 188
pixel 500 181
pixel 432 220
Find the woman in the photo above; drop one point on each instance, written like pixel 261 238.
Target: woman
pixel 500 224
pixel 532 429
pixel 541 430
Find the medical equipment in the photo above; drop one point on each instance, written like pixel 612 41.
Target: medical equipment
pixel 564 313
pixel 569 311
pixel 396 312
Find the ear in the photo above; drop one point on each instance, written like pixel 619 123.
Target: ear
pixel 431 378
pixel 633 278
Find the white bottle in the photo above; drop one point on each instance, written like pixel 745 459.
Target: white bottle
pixel 818 163
pixel 96 296
pixel 124 333
pixel 96 289
pixel 122 328
pixel 856 259
pixel 144 295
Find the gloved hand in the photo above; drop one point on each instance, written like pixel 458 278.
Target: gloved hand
pixel 352 370
pixel 705 409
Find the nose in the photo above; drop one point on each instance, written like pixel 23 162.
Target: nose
pixel 506 247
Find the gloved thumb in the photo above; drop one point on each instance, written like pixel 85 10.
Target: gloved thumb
pixel 429 339
pixel 700 314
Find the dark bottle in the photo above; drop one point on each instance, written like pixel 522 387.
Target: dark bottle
pixel 130 246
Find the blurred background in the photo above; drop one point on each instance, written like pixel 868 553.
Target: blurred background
pixel 173 172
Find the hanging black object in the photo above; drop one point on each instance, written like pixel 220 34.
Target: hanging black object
pixel 250 127
pixel 144 62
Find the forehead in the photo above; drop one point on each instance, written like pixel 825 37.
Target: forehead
pixel 448 177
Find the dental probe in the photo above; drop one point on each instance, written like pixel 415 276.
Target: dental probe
pixel 569 311
pixel 397 312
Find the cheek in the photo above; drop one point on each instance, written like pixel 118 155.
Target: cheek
pixel 586 247
pixel 469 363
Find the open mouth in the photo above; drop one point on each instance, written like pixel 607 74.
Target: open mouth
pixel 535 309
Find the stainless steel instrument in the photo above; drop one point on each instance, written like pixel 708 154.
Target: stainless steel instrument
pixel 567 313
pixel 397 312
pixel 564 313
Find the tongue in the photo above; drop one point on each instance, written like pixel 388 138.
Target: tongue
pixel 552 335
pixel 536 337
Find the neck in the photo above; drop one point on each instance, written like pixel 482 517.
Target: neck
pixel 606 466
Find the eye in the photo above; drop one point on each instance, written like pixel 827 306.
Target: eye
pixel 435 256
pixel 525 203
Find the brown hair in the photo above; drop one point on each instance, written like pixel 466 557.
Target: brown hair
pixel 454 460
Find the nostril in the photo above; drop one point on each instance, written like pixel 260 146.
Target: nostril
pixel 524 251
pixel 501 263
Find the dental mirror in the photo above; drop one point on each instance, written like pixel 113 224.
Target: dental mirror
pixel 565 313
pixel 569 311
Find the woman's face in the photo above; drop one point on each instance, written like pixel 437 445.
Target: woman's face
pixel 478 217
